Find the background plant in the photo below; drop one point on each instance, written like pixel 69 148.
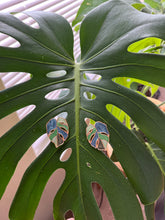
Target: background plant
pixel 105 41
pixel 148 45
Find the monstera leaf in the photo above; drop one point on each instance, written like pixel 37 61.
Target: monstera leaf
pixel 88 5
pixel 47 54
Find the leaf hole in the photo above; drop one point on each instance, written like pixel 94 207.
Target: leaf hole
pixel 122 116
pixel 56 179
pixel 8 41
pixel 57 94
pixel 98 193
pixel 7 122
pixel 40 144
pixel 66 155
pixel 88 165
pixel 144 87
pixel 102 201
pixel 69 215
pixel 23 112
pixel 148 45
pixel 92 76
pixel 27 19
pixel 89 95
pixel 62 115
pixel 56 74
pixel 10 79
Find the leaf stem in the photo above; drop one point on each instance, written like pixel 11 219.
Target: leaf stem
pixel 77 122
pixel 77 100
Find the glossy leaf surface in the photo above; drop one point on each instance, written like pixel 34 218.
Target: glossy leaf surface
pixel 88 5
pixel 85 7
pixel 103 51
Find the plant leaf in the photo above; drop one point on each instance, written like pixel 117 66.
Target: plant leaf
pixel 99 59
pixel 150 211
pixel 138 6
pixel 153 4
pixel 158 154
pixel 74 194
pixel 104 46
pixel 88 5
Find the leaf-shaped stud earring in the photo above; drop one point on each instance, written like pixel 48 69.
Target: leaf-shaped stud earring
pixel 57 130
pixel 98 136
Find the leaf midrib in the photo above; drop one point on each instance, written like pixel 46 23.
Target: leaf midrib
pixel 77 126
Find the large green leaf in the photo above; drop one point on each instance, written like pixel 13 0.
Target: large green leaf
pixel 105 35
pixel 88 5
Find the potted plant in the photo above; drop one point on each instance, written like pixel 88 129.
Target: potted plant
pixel 106 35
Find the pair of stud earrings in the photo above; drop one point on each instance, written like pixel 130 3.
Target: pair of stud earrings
pixel 97 134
